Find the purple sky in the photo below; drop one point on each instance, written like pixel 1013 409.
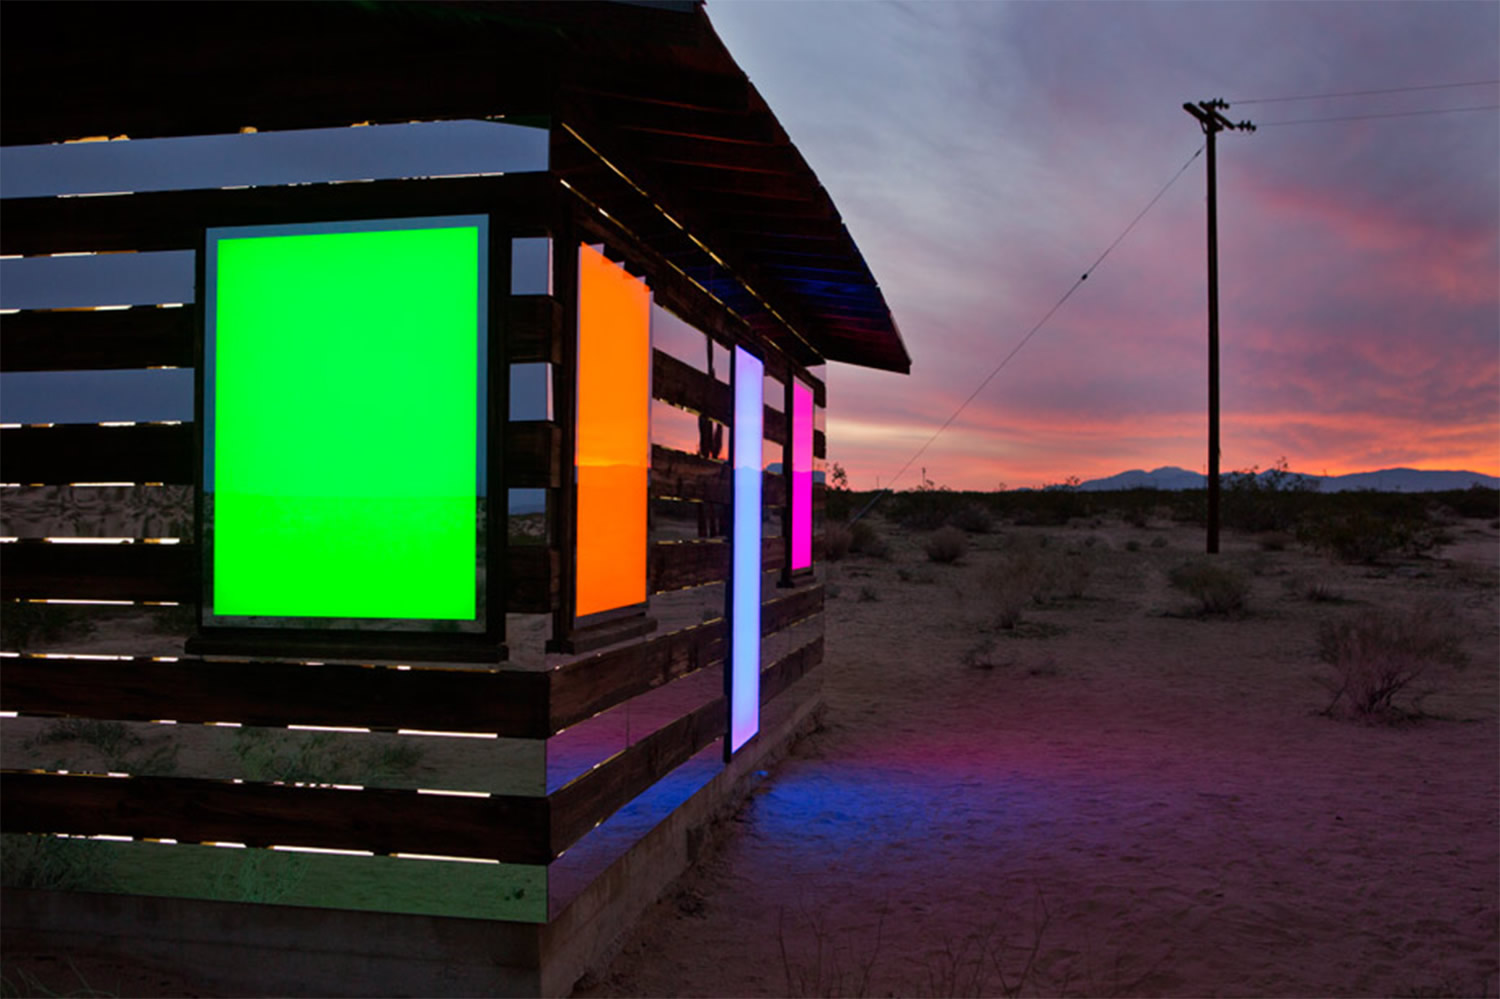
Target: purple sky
pixel 985 154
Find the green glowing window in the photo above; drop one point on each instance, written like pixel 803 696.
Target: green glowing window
pixel 344 412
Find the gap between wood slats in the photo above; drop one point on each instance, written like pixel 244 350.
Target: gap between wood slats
pixel 509 703
pixel 505 828
pixel 159 452
pixel 590 799
pixel 258 753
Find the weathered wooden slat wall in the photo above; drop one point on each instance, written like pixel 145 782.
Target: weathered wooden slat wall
pixel 216 787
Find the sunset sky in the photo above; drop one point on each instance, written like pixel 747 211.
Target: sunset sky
pixel 984 155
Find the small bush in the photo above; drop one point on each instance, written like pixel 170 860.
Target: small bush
pixel 837 539
pixel 1217 588
pixel 868 595
pixel 946 545
pixel 1160 541
pixel 1369 531
pixel 1320 592
pixel 1070 576
pixel 868 541
pixel 972 519
pixel 1379 653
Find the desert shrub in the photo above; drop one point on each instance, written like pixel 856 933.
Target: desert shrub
pixel 1218 588
pixel 1320 592
pixel 836 540
pixel 946 545
pixel 1273 500
pixel 1160 541
pixel 972 519
pixel 1070 576
pixel 1009 595
pixel 865 540
pixel 868 595
pixel 1377 654
pixel 1367 526
pixel 1132 545
pixel 1274 541
pixel 1476 502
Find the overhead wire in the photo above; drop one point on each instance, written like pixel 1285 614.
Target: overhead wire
pixel 1030 333
pixel 1365 93
pixel 1387 114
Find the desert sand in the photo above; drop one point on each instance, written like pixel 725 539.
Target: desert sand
pixel 1116 796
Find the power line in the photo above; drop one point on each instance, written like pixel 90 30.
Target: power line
pixel 1033 331
pixel 1366 93
pixel 1389 114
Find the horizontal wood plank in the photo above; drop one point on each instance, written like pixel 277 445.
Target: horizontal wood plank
pixel 161 452
pixel 786 611
pixel 777 677
pixel 257 753
pixel 585 687
pixel 533 455
pixel 534 329
pixel 505 828
pixel 99 572
pixel 532 579
pixel 681 384
pixel 676 565
pixel 408 885
pixel 174 220
pixel 510 703
pixel 91 340
pixel 680 475
pixel 86 452
pixel 588 800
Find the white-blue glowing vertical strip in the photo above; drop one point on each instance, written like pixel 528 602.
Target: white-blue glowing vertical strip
pixel 744 648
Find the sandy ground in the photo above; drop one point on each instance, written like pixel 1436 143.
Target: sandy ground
pixel 1113 798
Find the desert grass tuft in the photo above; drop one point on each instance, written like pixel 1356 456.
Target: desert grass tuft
pixel 1217 588
pixel 1379 654
pixel 946 545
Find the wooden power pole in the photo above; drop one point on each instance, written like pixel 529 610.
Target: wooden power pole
pixel 1209 117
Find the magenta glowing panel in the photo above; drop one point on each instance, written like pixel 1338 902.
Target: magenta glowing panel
pixel 742 673
pixel 802 460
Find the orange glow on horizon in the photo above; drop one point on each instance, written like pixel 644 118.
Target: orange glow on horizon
pixel 614 444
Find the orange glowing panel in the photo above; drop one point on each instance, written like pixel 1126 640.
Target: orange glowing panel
pixel 613 453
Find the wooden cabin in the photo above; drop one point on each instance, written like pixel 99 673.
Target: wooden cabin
pixel 412 471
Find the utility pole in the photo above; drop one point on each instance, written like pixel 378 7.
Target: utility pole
pixel 1208 116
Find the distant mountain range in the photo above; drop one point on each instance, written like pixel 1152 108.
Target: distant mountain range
pixel 1388 480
